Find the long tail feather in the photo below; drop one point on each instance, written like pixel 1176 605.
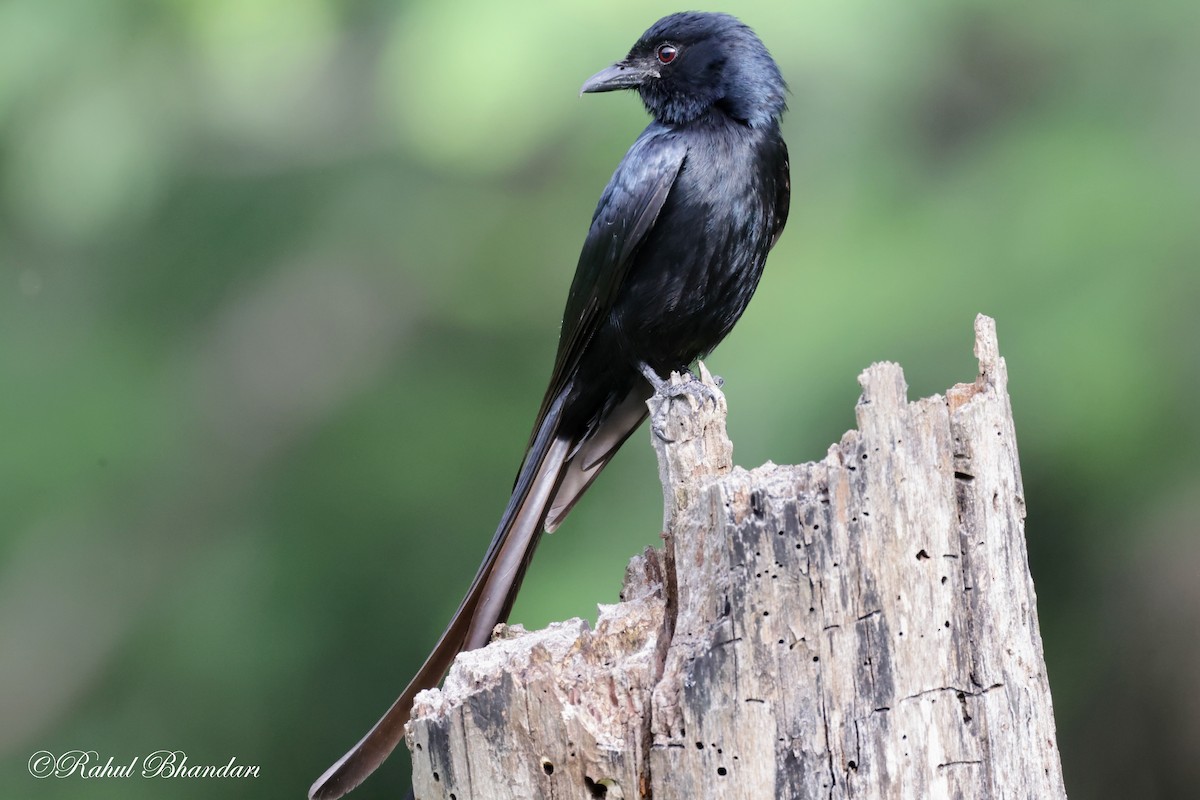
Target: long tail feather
pixel 487 602
pixel 593 454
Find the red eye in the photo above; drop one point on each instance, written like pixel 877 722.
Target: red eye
pixel 666 53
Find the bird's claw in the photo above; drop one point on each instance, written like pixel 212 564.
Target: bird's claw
pixel 670 386
pixel 698 389
pixel 690 386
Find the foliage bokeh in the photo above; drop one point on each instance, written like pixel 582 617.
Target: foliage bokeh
pixel 281 284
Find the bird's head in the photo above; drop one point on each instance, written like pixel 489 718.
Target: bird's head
pixel 691 63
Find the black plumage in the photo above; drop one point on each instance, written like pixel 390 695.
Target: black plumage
pixel 675 250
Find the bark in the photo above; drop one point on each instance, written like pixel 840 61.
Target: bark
pixel 860 627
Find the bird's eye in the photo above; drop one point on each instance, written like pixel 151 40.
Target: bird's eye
pixel 666 53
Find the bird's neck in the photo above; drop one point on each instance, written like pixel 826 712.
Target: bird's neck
pixel 716 118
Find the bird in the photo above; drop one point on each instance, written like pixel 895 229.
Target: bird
pixel 674 252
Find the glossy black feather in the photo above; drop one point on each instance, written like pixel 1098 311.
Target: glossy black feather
pixel 626 213
pixel 673 255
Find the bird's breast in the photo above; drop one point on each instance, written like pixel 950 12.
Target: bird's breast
pixel 696 271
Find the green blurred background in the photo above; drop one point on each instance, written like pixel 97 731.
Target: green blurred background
pixel 281 282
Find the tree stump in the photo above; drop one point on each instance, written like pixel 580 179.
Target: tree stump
pixel 860 627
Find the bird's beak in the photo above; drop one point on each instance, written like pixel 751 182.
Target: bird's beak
pixel 621 75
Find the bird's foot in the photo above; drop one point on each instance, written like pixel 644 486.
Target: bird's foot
pixel 678 384
pixel 696 391
pixel 670 385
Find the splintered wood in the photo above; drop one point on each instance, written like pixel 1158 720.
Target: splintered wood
pixel 860 627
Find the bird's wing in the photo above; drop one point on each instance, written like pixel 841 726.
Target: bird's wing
pixel 626 212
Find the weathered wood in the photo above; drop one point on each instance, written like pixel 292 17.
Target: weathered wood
pixel 860 627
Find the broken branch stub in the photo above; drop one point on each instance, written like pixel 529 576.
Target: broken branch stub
pixel 860 627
